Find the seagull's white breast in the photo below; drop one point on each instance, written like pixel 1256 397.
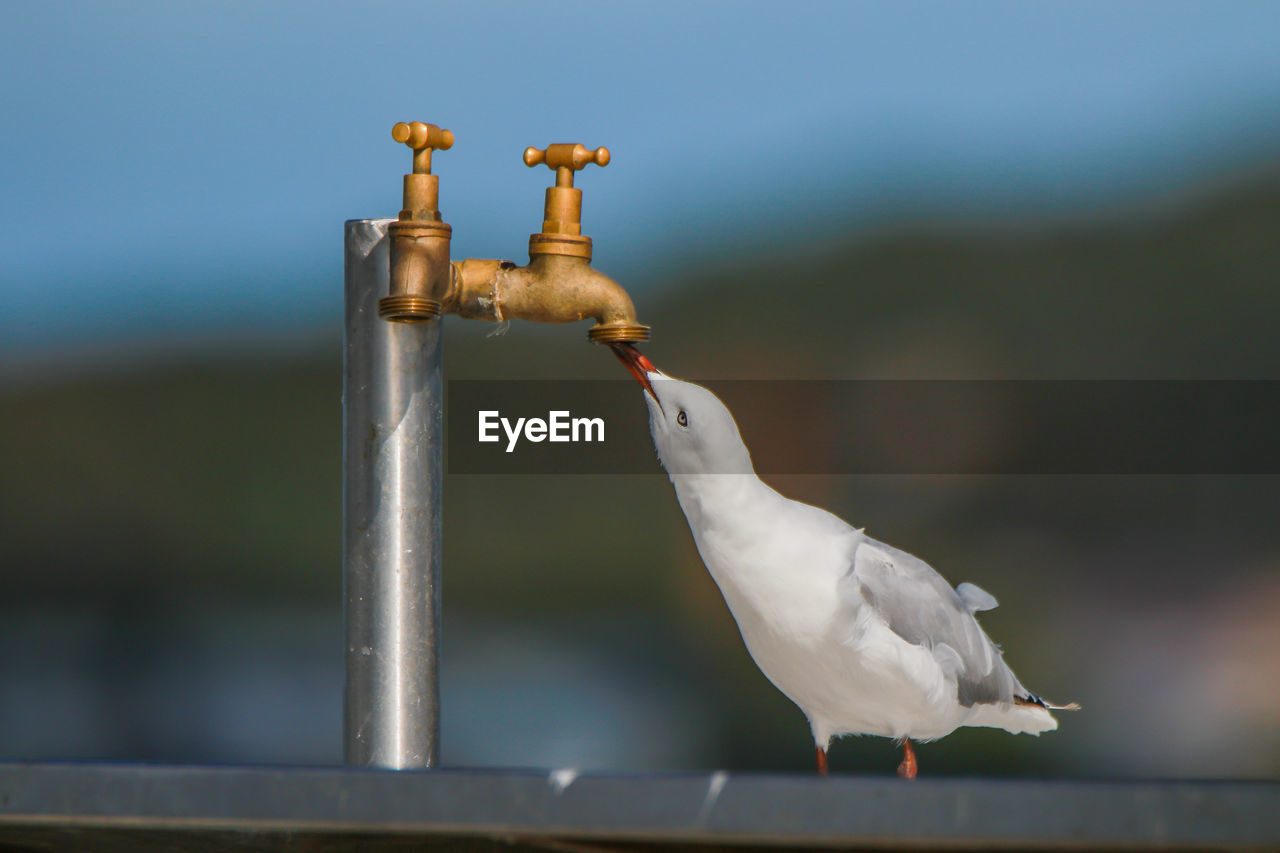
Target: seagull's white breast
pixel 780 567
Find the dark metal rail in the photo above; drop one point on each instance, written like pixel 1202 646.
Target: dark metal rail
pixel 53 806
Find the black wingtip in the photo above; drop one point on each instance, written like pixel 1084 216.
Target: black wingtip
pixel 1033 699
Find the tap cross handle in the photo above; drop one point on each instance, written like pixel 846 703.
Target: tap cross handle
pixel 422 138
pixel 566 158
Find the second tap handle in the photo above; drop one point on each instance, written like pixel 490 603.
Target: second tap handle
pixel 566 155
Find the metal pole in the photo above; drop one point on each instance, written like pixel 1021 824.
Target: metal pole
pixel 392 489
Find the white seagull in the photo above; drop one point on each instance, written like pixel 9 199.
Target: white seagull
pixel 864 638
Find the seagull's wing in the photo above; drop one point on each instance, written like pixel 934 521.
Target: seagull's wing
pixel 922 608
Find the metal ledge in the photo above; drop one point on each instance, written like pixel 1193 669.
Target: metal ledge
pixel 103 806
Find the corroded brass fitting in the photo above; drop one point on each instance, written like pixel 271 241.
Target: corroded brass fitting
pixel 419 239
pixel 551 289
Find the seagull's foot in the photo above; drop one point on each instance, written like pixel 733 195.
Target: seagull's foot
pixel 822 762
pixel 907 769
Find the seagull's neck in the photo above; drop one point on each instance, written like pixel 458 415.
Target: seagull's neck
pixel 720 500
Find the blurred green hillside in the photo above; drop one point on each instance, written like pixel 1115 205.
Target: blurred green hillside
pixel 204 476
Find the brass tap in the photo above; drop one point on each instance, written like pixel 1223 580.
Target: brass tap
pixel 419 239
pixel 557 286
pixel 562 212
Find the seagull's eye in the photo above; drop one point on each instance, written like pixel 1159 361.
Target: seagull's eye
pixel 682 418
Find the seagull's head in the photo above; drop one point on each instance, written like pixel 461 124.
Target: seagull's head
pixel 693 431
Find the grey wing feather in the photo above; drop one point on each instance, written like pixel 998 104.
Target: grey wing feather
pixel 921 607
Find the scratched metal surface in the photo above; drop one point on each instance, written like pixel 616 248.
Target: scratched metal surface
pixel 82 806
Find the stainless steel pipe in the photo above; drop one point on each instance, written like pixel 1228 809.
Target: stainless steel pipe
pixel 392 489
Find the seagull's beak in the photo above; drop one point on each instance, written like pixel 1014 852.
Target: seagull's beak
pixel 635 361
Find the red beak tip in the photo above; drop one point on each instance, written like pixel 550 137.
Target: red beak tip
pixel 637 363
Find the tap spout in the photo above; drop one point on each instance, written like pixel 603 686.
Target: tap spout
pixel 550 289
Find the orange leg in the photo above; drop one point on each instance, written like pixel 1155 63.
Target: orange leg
pixel 822 762
pixel 907 769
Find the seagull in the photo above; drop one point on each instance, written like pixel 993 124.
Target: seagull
pixel 864 638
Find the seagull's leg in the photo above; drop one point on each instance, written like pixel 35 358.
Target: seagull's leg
pixel 822 762
pixel 907 769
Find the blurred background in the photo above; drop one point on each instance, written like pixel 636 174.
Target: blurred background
pixel 806 190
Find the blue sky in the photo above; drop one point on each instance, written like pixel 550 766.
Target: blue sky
pixel 187 165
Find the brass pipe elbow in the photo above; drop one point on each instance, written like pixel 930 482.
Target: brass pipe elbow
pixel 551 289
